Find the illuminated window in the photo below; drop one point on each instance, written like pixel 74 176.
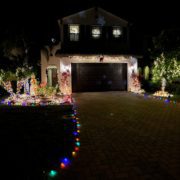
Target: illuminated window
pixel 96 32
pixel 74 32
pixel 117 31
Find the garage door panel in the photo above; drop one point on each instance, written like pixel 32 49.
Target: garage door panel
pixel 99 77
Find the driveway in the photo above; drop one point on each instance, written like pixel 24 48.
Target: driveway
pixel 124 136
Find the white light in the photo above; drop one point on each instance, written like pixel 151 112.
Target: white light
pixel 117 32
pixel 74 29
pixel 65 68
pixel 96 32
pixel 51 67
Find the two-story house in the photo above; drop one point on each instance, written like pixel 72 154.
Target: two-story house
pixel 92 54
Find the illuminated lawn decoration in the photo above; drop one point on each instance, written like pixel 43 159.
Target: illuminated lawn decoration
pixel 162 94
pixel 39 94
pixel 28 100
pixel 165 99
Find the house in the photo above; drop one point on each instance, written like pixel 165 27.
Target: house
pixel 92 54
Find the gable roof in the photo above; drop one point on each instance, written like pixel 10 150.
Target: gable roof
pixel 94 16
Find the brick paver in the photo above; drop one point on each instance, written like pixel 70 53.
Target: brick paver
pixel 124 136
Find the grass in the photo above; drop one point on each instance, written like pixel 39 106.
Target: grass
pixel 33 139
pixel 176 98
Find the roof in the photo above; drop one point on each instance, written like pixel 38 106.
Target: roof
pixel 94 16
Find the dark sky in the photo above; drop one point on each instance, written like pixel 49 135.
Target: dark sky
pixel 39 17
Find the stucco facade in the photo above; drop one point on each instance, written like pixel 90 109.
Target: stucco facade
pixel 63 65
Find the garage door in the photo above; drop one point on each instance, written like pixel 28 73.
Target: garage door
pixel 99 77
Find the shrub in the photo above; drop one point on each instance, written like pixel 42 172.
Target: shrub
pixel 146 72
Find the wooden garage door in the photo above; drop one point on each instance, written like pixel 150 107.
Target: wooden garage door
pixel 99 77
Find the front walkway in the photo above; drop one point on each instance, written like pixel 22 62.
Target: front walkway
pixel 124 136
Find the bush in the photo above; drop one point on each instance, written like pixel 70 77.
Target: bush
pixel 174 88
pixel 46 91
pixel 150 86
pixel 146 72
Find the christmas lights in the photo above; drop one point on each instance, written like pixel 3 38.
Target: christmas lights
pixel 28 100
pixel 65 162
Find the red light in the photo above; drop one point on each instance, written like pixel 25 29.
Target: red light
pixel 76 149
pixel 62 166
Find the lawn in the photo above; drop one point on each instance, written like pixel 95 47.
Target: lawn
pixel 34 140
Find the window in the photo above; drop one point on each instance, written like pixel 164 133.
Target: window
pixel 74 32
pixel 96 32
pixel 117 32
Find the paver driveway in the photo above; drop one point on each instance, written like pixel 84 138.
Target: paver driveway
pixel 124 136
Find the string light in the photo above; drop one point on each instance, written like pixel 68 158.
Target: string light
pixel 75 133
pixel 28 100
pixel 62 166
pixel 73 153
pixel 53 173
pixel 78 144
pixel 76 148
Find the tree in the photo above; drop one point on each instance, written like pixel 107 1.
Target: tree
pixel 18 47
pixel 165 67
pixel 167 42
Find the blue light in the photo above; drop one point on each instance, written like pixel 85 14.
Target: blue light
pixel 74 120
pixel 166 100
pixel 75 133
pixel 65 161
pixel 145 96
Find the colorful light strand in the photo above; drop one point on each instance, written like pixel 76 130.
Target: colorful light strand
pixel 65 162
pixel 28 100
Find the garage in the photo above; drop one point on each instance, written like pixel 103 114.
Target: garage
pixel 88 77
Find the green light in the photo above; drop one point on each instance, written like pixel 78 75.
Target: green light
pixel 77 143
pixel 52 173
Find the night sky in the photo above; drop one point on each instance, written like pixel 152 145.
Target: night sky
pixel 39 18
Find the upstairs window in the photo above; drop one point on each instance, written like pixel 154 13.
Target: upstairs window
pixel 96 32
pixel 117 32
pixel 74 32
